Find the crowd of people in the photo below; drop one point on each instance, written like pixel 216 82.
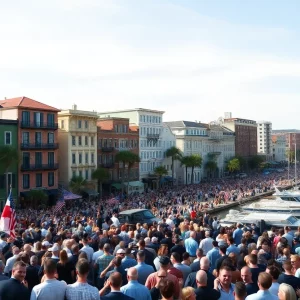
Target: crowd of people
pixel 83 252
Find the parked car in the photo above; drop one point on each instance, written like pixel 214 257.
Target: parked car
pixel 134 216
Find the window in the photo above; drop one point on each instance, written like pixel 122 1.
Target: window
pixel 25 138
pixel 26 181
pixel 79 141
pixel 92 141
pixel 86 140
pixel 38 159
pixel 62 126
pixel 73 140
pixel 73 158
pixel 86 174
pixel 38 119
pixel 26 159
pixel 115 143
pixel 116 128
pixel 7 135
pixel 38 180
pixel 73 174
pixel 79 123
pixel 80 158
pixel 50 119
pixel 51 158
pixel 50 138
pixel 51 179
pixel 26 117
pixel 86 124
pixel 92 158
pixel 86 157
pixel 100 143
pixel 80 173
pixel 38 138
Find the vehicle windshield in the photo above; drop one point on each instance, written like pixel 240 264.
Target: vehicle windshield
pixel 148 214
pixel 292 220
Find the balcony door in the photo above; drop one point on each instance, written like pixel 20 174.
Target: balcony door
pixel 26 117
pixel 38 159
pixel 38 138
pixel 51 158
pixel 50 119
pixel 50 138
pixel 38 119
pixel 26 159
pixel 25 138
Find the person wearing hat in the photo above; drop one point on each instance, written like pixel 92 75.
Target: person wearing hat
pixel 55 252
pixel 153 278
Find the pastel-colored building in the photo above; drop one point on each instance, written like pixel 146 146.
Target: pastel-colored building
pixel 37 134
pixel 77 137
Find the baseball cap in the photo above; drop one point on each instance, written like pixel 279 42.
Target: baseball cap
pixel 154 239
pixel 121 251
pixel 46 243
pixel 164 260
pixel 54 248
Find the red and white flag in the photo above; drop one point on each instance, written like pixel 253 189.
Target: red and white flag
pixel 8 217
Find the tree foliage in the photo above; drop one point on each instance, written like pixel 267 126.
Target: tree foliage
pixel 175 154
pixel 77 183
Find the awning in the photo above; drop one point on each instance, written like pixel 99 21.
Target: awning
pixel 70 196
pixel 117 186
pixel 90 192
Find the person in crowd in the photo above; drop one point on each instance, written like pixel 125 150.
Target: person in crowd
pixel 206 244
pixel 186 270
pixel 223 283
pixel 203 291
pixel 286 292
pixel 288 276
pixel 240 291
pixel 274 272
pixel 143 269
pixel 188 293
pixel 65 268
pixel 251 287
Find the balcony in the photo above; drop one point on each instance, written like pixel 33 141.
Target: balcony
pixel 107 149
pixel 33 146
pixel 107 165
pixel 39 167
pixel 38 125
pixel 152 135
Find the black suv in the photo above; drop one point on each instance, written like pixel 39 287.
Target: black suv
pixel 134 216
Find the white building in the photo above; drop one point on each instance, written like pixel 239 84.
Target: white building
pixel 77 136
pixel 279 148
pixel 210 141
pixel 150 131
pixel 264 139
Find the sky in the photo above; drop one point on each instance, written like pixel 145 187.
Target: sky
pixel 193 59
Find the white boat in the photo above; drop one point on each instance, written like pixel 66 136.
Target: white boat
pixel 259 218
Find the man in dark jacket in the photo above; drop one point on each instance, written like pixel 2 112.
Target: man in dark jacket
pixel 203 292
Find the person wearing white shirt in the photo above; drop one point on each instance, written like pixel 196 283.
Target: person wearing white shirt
pixel 274 272
pixel 98 253
pixel 50 288
pixel 115 220
pixel 206 244
pixel 10 262
pixel 87 249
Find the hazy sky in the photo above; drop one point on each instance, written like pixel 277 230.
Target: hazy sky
pixel 194 59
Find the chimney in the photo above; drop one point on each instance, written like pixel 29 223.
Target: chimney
pixel 74 107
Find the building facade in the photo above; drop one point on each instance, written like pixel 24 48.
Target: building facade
pixel 150 130
pixel 264 139
pixel 77 137
pixel 245 136
pixel 168 140
pixel 8 137
pixel 38 144
pixel 114 135
pixel 279 148
pixel 210 141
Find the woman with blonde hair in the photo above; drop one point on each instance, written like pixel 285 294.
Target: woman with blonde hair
pixel 188 293
pixel 286 292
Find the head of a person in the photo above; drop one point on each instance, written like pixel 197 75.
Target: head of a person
pixel 82 255
pixel 295 261
pixel 201 278
pixel 252 259
pixel 204 263
pixel 230 240
pixel 106 248
pixel 175 258
pixel 246 275
pixel 50 267
pixel 19 270
pixel 225 276
pixel 222 249
pixel 185 256
pixel 286 292
pixel 121 253
pixel 34 260
pixel 167 288
pixel 264 281
pixel 164 262
pixel 188 293
pixel 63 257
pixel 140 256
pixel 287 266
pixel 132 274
pixel 24 257
pixel 82 267
pixel 240 291
pixel 273 271
pixel 115 280
pixel 163 250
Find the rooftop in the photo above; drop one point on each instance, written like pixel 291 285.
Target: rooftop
pixel 26 102
pixel 130 110
pixel 186 124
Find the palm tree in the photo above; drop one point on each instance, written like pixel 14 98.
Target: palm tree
pixel 175 154
pixel 233 165
pixel 37 198
pixel 211 165
pixel 101 175
pixel 126 157
pixel 196 162
pixel 8 156
pixel 76 184
pixel 160 171
pixel 186 161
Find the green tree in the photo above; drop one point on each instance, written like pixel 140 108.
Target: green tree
pixel 243 161
pixel 186 161
pixel 175 154
pixel 255 161
pixel 77 183
pixel 126 158
pixel 101 175
pixel 233 165
pixel 195 162
pixel 37 198
pixel 160 171
pixel 211 166
pixel 8 156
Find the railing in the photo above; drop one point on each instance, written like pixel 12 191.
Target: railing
pixel 36 125
pixel 29 146
pixel 107 149
pixel 35 167
pixel 152 135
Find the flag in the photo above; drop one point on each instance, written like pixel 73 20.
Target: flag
pixel 60 202
pixel 8 217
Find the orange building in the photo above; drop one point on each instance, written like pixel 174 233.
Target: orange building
pixel 37 134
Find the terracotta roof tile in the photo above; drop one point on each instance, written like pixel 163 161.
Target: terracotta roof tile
pixel 26 103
